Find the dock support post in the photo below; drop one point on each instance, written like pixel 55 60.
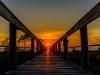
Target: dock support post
pixel 65 43
pixel 32 46
pixel 41 47
pixel 37 48
pixel 84 46
pixel 12 49
pixel 59 47
pixel 24 44
pixel 56 47
pixel 53 48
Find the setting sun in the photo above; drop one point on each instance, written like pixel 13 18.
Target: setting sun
pixel 48 44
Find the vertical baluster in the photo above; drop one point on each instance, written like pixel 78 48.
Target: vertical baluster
pixel 12 49
pixel 65 43
pixel 84 46
pixel 32 46
pixel 56 47
pixel 59 47
pixel 37 48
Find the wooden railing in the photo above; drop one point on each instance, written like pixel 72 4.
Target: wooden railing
pixel 14 25
pixel 82 26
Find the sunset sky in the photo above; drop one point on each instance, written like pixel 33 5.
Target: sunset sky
pixel 50 19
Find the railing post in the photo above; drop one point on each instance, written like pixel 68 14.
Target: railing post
pixel 12 49
pixel 56 47
pixel 59 47
pixel 37 48
pixel 24 45
pixel 53 48
pixel 84 46
pixel 65 43
pixel 41 47
pixel 32 46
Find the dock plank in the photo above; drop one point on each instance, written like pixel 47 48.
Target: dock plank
pixel 48 64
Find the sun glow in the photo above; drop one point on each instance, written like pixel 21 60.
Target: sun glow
pixel 48 44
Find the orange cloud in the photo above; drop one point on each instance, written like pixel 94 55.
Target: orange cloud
pixel 50 35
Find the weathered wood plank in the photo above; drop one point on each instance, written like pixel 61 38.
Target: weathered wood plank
pixel 48 64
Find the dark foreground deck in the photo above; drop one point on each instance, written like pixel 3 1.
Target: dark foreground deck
pixel 48 64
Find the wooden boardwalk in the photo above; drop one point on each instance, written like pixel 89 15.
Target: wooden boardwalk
pixel 48 64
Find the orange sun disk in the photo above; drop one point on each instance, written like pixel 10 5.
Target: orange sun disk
pixel 47 44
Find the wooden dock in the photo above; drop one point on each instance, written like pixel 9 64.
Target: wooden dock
pixel 48 64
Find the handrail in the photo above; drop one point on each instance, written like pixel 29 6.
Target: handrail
pixel 89 17
pixel 82 26
pixel 8 15
pixel 14 25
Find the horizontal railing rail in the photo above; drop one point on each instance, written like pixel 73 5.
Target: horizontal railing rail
pixel 8 15
pixel 81 25
pixel 14 25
